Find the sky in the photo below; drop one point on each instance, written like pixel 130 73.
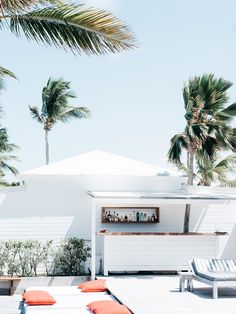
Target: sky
pixel 136 96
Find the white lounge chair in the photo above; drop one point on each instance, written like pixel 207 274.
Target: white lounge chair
pixel 214 272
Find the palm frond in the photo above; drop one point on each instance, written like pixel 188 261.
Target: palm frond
pixel 177 144
pixel 227 114
pixel 4 73
pixel 14 6
pixel 7 167
pixel 74 27
pixel 74 112
pixel 36 114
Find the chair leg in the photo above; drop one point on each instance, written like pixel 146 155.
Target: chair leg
pixel 190 285
pixel 181 284
pixel 215 290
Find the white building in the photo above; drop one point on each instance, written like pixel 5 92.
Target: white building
pixel 54 203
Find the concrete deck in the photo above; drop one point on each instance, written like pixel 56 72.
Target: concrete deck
pixel 153 295
pixel 160 294
pixel 10 305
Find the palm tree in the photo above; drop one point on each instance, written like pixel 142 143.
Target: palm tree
pixel 55 107
pixel 216 172
pixel 67 26
pixel 6 157
pixel 208 127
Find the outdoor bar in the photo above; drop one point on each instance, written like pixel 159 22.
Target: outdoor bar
pixel 126 250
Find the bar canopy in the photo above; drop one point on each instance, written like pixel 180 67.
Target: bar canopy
pixel 158 195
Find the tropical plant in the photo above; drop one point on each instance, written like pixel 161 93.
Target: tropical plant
pixel 55 107
pixel 208 129
pixel 209 172
pixel 5 147
pixel 67 26
pixel 6 158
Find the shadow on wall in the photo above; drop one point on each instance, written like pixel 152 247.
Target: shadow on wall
pixel 229 250
pixel 197 217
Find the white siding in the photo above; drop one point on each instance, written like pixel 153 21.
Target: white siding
pixel 135 253
pixel 59 207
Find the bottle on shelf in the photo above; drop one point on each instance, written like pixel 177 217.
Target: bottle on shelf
pixel 134 216
pixel 109 216
pixel 130 217
pixel 137 216
pixel 153 218
pixel 126 218
pixel 145 217
pixel 141 217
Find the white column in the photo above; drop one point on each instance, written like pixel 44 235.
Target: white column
pixel 93 240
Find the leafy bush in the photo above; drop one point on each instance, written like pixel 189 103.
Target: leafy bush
pixel 71 257
pixel 33 258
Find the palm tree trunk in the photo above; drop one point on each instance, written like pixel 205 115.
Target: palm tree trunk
pixel 190 163
pixel 46 147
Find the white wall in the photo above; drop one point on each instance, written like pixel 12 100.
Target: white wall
pixel 56 208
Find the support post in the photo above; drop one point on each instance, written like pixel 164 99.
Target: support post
pixel 215 290
pixel 93 240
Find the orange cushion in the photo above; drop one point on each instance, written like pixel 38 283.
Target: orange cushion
pixel 89 282
pixel 93 286
pixel 38 297
pixel 108 307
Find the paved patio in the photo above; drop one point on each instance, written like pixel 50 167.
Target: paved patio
pixel 10 305
pixel 160 294
pixel 155 294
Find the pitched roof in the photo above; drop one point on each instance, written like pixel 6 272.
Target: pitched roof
pixel 100 163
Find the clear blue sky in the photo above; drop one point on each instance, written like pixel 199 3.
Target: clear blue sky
pixel 135 97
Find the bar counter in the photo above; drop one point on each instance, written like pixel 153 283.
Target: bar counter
pixel 160 233
pixel 157 251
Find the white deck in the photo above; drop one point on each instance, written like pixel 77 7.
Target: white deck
pixel 160 294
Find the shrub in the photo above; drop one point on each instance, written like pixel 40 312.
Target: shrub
pixel 33 258
pixel 71 257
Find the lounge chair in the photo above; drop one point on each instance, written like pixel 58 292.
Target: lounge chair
pixel 215 272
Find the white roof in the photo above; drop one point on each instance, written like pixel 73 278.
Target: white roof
pixel 157 195
pixel 100 163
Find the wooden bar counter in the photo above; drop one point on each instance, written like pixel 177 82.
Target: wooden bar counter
pixel 145 251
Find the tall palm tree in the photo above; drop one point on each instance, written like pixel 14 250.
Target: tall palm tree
pixel 55 107
pixel 68 26
pixel 207 128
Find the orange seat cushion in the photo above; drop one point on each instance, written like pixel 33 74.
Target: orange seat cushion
pixel 108 307
pixel 38 297
pixel 87 282
pixel 93 286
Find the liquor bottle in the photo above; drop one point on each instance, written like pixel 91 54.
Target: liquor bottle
pixel 130 217
pixel 126 218
pixel 134 216
pixel 153 218
pixel 117 217
pixel 105 216
pixel 141 217
pixel 145 217
pixel 109 216
pixel 137 216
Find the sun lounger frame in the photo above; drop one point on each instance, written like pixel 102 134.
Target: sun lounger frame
pixel 214 283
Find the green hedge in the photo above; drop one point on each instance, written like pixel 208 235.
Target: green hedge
pixel 37 258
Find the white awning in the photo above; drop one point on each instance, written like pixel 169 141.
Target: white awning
pixel 162 196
